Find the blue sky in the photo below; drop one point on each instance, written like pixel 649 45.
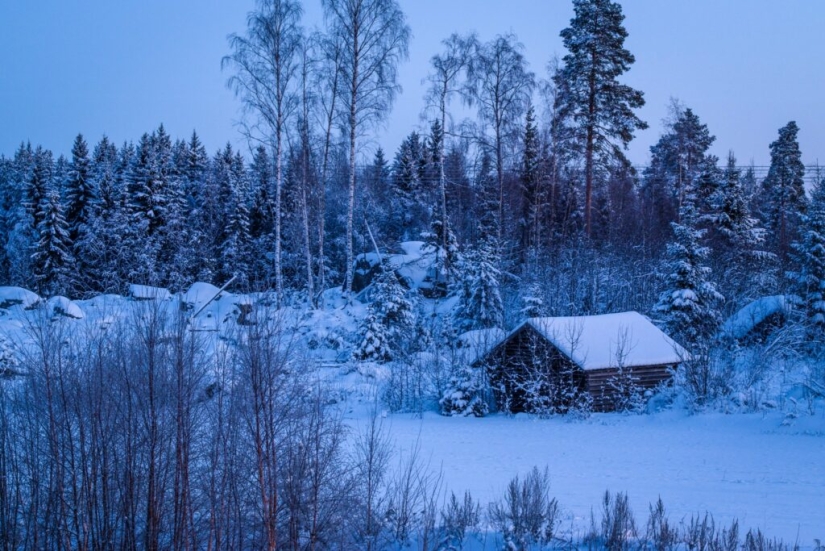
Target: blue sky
pixel 746 67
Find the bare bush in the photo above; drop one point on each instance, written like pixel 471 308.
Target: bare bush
pixel 527 515
pixel 458 519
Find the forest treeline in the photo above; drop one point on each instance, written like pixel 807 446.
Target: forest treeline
pixel 531 198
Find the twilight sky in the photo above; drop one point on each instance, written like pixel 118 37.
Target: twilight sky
pixel 746 67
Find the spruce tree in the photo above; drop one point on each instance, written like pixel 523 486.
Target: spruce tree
pixel 809 254
pixel 601 106
pixel 16 233
pixel 487 221
pixel 532 193
pixel 39 185
pixel 407 186
pixel 532 302
pixel 736 237
pixel 679 165
pixel 732 219
pixel 51 257
pixel 99 248
pixel 79 189
pixel 463 396
pixel 783 192
pixel 480 305
pixel 234 248
pixel 79 201
pixel 689 304
pixel 389 327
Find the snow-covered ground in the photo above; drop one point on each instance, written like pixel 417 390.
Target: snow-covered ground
pixel 762 469
pixel 767 470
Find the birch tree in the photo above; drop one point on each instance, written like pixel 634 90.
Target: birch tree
pixel 444 80
pixel 374 37
pixel 499 86
pixel 266 61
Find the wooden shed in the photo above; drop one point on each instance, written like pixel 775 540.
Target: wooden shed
pixel 554 363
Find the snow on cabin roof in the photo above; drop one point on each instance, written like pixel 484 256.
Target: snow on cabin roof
pixel 751 315
pixel 145 292
pixel 608 340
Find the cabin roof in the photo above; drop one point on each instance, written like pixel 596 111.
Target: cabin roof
pixel 750 316
pixel 628 339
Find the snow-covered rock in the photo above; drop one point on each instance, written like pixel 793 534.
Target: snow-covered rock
pixel 199 293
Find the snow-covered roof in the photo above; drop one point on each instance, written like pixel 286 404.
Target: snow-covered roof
pixel 746 319
pixel 609 340
pixel 145 292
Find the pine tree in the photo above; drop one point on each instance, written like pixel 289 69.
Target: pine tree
pixel 783 192
pixel 51 258
pixel 601 106
pixel 688 306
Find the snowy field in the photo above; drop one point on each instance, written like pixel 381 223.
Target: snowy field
pixel 766 470
pixel 751 467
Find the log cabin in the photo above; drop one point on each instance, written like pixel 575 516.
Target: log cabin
pixel 554 364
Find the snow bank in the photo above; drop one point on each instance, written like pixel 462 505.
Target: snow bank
pixel 598 342
pixel 62 306
pixel 199 293
pixel 12 296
